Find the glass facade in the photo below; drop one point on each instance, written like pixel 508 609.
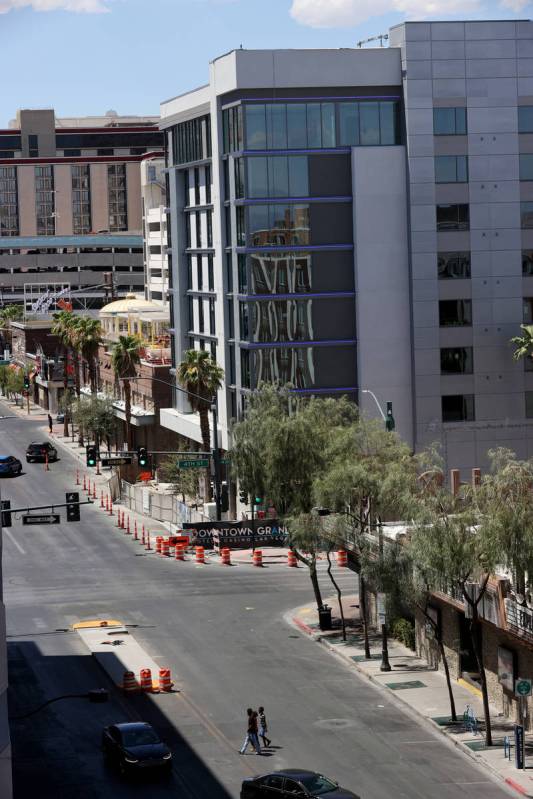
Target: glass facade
pixel 456 360
pixel 278 225
pixel 453 217
pixel 191 140
pixel 525 118
pixel 305 368
pixel 453 265
pixel 9 211
pixel 277 176
pixel 117 197
pixel 451 169
pixel 526 166
pixel 321 125
pixel 455 313
pixel 449 121
pixel 458 408
pixel 45 200
pixel 81 198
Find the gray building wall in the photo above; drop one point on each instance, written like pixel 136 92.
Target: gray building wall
pixel 484 67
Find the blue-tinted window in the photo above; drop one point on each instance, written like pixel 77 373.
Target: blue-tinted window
pixel 278 176
pixel 256 136
pixel 278 225
pixel 314 125
pixel 525 118
pixel 349 124
pixel 526 214
pixel 276 126
pixel 298 176
pixel 296 125
pixel 388 123
pixel 449 121
pixel 369 123
pixel 451 169
pixel 526 166
pixel 328 124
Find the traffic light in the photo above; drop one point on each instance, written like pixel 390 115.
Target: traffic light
pixel 258 500
pixel 73 510
pixel 5 513
pixel 224 497
pixel 142 457
pixel 243 496
pixel 26 382
pixel 91 454
pixel 390 424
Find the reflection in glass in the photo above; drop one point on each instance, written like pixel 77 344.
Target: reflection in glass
pixel 328 124
pixel 278 176
pixel 276 365
pixel 281 273
pixel 349 124
pixel 257 176
pixel 276 126
pixel 453 265
pixel 314 125
pixel 278 225
pixel 387 123
pixel 281 320
pixel 369 120
pixel 296 125
pixel 255 127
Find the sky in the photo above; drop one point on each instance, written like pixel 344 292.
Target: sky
pixel 86 57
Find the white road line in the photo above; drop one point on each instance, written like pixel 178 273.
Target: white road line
pixel 14 541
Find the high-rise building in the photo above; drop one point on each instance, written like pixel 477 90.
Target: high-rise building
pixel 70 206
pixel 153 190
pixel 358 222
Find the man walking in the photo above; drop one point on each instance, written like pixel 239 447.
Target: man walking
pixel 251 733
pixel 263 727
pixel 50 427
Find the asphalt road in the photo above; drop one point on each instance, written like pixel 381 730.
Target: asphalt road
pixel 222 633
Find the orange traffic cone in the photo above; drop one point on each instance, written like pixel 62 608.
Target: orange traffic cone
pixel 94 490
pixel 101 499
pixel 135 535
pixel 143 536
pixel 84 483
pixel 106 504
pixel 147 545
pixel 77 477
pixel 128 531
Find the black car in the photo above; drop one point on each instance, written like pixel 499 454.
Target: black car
pixel 134 746
pixel 38 452
pixel 292 783
pixel 9 465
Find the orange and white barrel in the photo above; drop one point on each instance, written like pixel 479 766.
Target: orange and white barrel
pixel 165 683
pixel 291 559
pixel 129 683
pixel 165 548
pixel 342 557
pixel 158 540
pixel 225 556
pixel 200 555
pixel 258 557
pixel 146 680
pixel 179 552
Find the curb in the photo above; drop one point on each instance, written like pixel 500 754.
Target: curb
pixel 319 639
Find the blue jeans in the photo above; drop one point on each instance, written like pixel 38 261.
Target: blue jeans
pixel 250 738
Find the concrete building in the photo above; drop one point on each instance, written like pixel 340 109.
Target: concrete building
pixel 6 784
pixel 70 206
pixel 360 220
pixel 153 191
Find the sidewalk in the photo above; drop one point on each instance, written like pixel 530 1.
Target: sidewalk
pixel 413 683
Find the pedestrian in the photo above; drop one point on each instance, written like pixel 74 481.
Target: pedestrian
pixel 263 728
pixel 50 428
pixel 251 733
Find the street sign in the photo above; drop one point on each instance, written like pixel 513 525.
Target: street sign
pixel 519 745
pixel 119 460
pixel 382 616
pixel 225 461
pixel 522 687
pixel 45 518
pixel 199 463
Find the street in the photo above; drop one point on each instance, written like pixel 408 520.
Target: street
pixel 223 634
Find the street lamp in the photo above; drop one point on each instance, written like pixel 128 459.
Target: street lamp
pixel 213 406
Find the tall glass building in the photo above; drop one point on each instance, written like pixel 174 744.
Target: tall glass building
pixel 358 222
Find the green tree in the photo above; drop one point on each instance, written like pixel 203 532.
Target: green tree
pixel 63 327
pixel 4 378
pixel 201 377
pixel 88 336
pixel 523 343
pixel 452 551
pixel 96 417
pixel 184 481
pixel 125 357
pixel 15 383
pixel 9 314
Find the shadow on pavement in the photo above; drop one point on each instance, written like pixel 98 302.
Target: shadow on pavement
pixel 56 752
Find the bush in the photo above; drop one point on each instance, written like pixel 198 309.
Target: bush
pixel 404 631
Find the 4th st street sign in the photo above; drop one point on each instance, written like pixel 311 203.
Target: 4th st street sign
pixel 45 518
pixel 194 463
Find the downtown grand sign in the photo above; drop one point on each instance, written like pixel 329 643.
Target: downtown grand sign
pixel 237 534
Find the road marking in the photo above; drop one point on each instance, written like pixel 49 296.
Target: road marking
pixel 40 624
pixel 15 542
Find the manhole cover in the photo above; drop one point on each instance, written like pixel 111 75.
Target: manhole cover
pixel 334 724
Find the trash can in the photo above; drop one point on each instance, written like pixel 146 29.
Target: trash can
pixel 324 617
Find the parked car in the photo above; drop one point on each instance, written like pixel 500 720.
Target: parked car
pixel 60 418
pixel 292 783
pixel 9 465
pixel 38 451
pixel 135 746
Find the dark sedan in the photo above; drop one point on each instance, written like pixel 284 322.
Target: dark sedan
pixel 292 783
pixel 134 746
pixel 41 451
pixel 9 465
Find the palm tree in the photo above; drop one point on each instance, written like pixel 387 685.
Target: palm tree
pixel 524 343
pixel 89 338
pixel 200 375
pixel 63 328
pixel 11 313
pixel 125 357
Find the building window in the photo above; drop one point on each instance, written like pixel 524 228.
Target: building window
pixel 449 121
pixel 245 369
pixel 229 271
pixel 200 315
pixel 196 185
pixel 212 326
pixel 455 313
pixel 525 118
pixel 244 327
pixel 238 166
pixel 154 227
pixel 456 361
pixel 208 185
pixel 191 317
pixel 458 408
pixel 526 166
pixel 241 228
pixel 45 200
pixel 243 274
pixel 155 249
pixel 529 404
pixel 210 273
pixel 33 144
pixel 191 140
pixel 526 215
pixel 199 273
pixel 451 169
pixel 454 217
pixel 198 223
pixel 9 211
pixel 186 189
pixel 527 263
pixel 527 310
pixel 189 273
pixel 116 191
pixel 209 220
pixel 81 199
pixel 278 225
pixel 232 129
pixel 278 176
pixel 213 348
pixel 453 265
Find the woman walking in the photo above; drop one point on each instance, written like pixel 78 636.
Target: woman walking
pixel 251 733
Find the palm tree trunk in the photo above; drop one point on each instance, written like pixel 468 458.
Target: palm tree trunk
pixel 204 429
pixel 65 395
pixel 127 409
